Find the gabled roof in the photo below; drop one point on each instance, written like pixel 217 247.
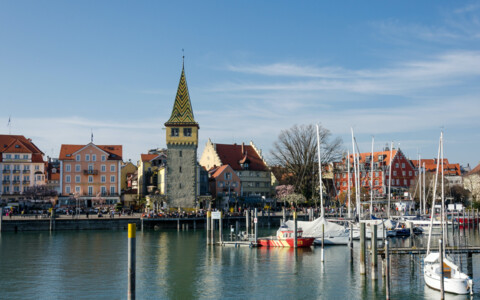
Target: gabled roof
pixel 148 157
pixel 475 170
pixel 376 156
pixel 182 113
pixel 431 166
pixel 233 154
pixel 67 151
pixel 19 144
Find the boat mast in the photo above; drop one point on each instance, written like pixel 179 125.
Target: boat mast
pixel 348 184
pixel 433 199
pixel 320 173
pixel 443 217
pixel 420 182
pixel 371 180
pixel 355 175
pixel 359 183
pixel 389 180
pixel 424 190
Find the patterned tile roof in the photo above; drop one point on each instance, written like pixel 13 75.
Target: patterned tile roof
pixel 431 166
pixel 182 113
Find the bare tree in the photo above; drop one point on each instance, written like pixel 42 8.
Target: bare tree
pixel 295 152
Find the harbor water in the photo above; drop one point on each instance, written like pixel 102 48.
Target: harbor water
pixel 179 265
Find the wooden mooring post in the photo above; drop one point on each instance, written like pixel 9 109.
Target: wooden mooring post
pixel 374 252
pixel 131 261
pixel 247 220
pixel 442 289
pixel 387 271
pixel 362 249
pixel 220 232
pixel 209 217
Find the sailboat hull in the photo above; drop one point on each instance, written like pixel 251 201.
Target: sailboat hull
pixel 455 283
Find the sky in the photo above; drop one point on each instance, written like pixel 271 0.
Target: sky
pixel 400 71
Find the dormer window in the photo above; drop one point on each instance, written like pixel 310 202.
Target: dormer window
pixel 187 131
pixel 175 132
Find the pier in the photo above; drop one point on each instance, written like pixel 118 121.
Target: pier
pixel 469 250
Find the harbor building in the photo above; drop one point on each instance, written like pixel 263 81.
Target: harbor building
pixel 224 185
pixel 90 175
pixel 22 166
pixel 402 172
pixel 182 143
pixel 247 162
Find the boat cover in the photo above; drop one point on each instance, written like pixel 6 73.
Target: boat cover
pixel 432 257
pixel 314 228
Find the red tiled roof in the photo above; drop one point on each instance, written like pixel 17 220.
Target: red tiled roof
pixel 376 155
pixel 114 151
pixel 19 144
pixel 217 170
pixel 431 166
pixel 233 154
pixel 474 170
pixel 148 157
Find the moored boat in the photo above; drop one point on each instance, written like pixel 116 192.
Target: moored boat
pixel 286 238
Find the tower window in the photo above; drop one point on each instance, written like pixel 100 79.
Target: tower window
pixel 180 153
pixel 180 169
pixel 187 131
pixel 175 132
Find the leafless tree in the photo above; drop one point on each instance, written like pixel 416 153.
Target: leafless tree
pixel 295 152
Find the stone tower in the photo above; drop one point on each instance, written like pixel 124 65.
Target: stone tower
pixel 182 143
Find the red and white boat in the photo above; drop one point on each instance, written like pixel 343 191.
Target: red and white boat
pixel 286 238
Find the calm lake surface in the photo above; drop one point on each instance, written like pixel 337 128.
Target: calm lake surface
pixel 179 265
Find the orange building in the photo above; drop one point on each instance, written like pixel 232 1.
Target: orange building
pixel 403 173
pixel 90 173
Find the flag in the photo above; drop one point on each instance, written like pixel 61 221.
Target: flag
pixel 91 138
pixel 8 124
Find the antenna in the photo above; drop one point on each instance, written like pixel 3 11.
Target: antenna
pixel 183 55
pixel 9 124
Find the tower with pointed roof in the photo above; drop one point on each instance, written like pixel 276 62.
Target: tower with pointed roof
pixel 182 144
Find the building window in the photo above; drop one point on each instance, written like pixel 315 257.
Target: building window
pixel 67 189
pixel 404 173
pixel 403 165
pixel 94 157
pixel 228 176
pixel 112 189
pixel 103 178
pixel 104 158
pixel 104 168
pixel 17 156
pixel 187 131
pixel 68 168
pixel 376 182
pixel 8 156
pixel 220 184
pixel 77 168
pixel 90 190
pixel 77 157
pixel 405 182
pixel 396 165
pixel 67 178
pixel 77 189
pixel 77 178
pixel 175 131
pixel 180 153
pixel 409 173
pixel 87 157
pixel 398 181
pixel 376 174
pixel 112 168
pixel 90 178
pixel 25 156
pixel 112 178
pixel 104 190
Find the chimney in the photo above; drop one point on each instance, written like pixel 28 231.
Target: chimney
pixel 243 148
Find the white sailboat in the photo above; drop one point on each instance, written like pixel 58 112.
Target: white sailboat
pixel 453 280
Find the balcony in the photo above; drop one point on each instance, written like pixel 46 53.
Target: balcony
pixel 16 182
pixel 16 171
pixel 26 172
pixel 90 172
pixel 26 182
pixel 6 171
pixel 6 181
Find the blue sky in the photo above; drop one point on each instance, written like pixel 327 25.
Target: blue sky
pixel 398 70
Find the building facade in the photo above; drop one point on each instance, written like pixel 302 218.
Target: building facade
pixel 402 172
pixel 246 161
pixel 90 174
pixel 22 167
pixel 224 184
pixel 182 142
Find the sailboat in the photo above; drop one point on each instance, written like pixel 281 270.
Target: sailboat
pixel 454 280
